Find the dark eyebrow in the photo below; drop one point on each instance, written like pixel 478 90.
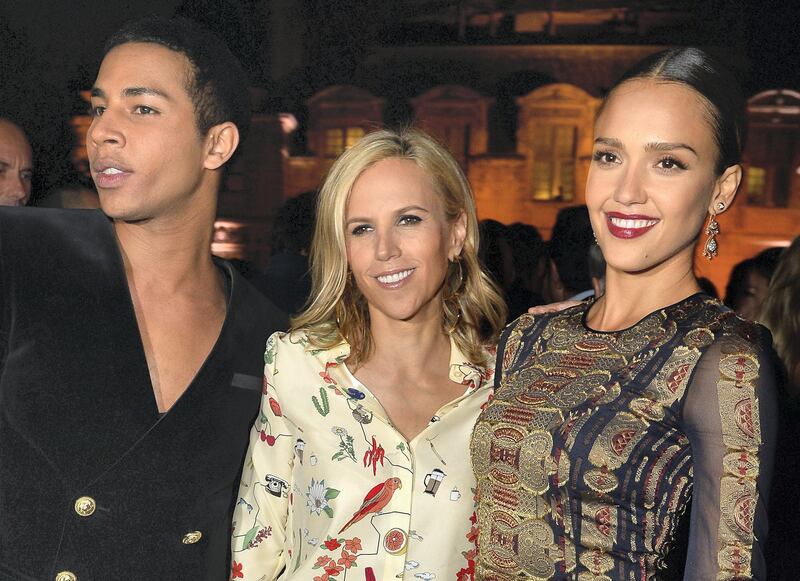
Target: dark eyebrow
pixel 138 91
pixel 661 146
pixel 610 141
pixel 133 92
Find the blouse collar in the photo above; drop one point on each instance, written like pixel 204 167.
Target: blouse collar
pixel 461 369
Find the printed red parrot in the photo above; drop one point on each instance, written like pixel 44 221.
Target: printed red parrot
pixel 375 500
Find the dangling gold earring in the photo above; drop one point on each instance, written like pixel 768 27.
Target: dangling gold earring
pixel 711 246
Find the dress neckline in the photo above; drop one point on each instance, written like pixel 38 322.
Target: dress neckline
pixel 585 314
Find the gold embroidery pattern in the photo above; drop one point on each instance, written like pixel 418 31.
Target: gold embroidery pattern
pixel 583 472
pixel 741 430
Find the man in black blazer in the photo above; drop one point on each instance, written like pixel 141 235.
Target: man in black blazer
pixel 130 358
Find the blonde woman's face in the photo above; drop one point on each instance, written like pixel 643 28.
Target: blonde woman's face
pixel 399 241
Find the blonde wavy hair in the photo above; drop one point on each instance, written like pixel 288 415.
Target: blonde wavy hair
pixel 781 312
pixel 473 311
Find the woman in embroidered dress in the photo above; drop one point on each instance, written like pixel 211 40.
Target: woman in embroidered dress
pixel 610 416
pixel 358 466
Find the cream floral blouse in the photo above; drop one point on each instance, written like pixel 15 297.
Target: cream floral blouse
pixel 332 491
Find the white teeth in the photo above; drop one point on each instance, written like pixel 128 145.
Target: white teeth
pixel 111 171
pixel 632 224
pixel 396 277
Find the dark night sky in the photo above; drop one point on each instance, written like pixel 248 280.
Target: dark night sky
pixel 50 49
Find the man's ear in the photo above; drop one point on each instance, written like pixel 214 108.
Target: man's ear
pixel 220 143
pixel 725 189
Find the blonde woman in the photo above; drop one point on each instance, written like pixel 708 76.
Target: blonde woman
pixel 358 466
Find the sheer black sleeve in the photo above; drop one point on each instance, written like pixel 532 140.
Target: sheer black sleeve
pixel 730 417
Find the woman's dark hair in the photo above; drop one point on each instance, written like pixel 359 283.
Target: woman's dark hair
pixel 217 85
pixel 708 77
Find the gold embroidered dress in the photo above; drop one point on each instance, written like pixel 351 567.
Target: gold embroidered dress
pixel 595 443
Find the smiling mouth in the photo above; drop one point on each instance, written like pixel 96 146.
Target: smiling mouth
pixel 631 224
pixel 395 277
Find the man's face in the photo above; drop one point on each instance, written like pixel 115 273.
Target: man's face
pixel 16 165
pixel 145 153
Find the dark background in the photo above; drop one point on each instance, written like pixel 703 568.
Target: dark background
pixel 50 50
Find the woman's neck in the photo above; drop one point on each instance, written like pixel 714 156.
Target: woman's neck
pixel 629 297
pixel 408 345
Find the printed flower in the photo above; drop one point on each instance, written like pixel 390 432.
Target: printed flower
pixel 318 496
pixel 354 393
pixel 341 432
pixel 322 561
pixel 332 544
pixel 333 569
pixel 472 535
pixel 465 574
pixel 347 559
pixel 323 577
pixel 275 407
pixel 315 497
pixel 237 571
pixel 353 545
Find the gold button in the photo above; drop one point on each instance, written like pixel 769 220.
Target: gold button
pixel 192 537
pixel 66 576
pixel 85 506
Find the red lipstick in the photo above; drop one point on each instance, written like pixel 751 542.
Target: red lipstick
pixel 627 226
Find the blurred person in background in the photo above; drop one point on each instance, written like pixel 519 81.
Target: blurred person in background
pixel 495 252
pixel 568 277
pixel 749 281
pixel 286 280
pixel 781 314
pixel 16 165
pixel 597 270
pixel 529 254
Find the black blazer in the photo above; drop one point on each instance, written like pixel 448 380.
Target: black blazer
pixel 78 417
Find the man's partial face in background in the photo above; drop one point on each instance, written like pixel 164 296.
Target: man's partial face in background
pixel 16 165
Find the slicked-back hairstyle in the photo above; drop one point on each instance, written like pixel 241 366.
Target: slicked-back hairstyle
pixel 217 84
pixel 337 310
pixel 725 106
